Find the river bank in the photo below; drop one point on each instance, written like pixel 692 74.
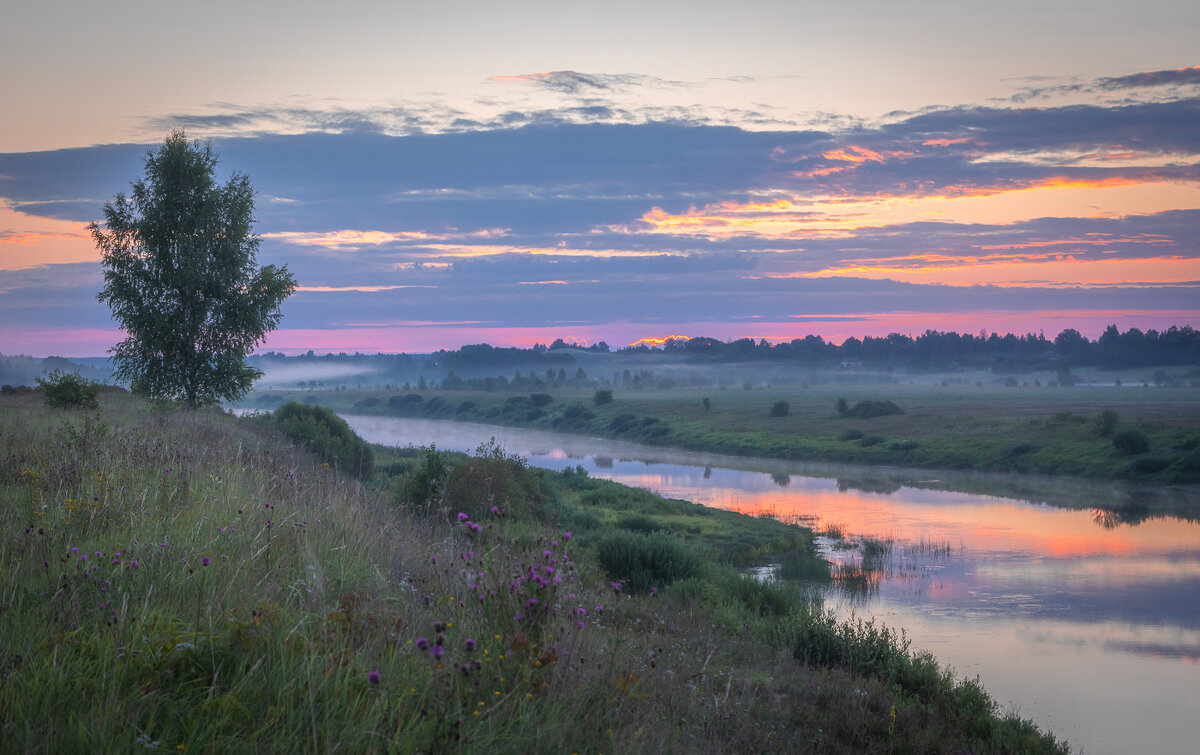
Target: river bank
pixel 1098 432
pixel 189 580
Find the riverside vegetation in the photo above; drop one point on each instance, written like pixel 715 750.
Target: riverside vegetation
pixel 1149 435
pixel 187 580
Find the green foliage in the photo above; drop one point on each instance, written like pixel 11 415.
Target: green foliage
pixel 642 561
pixel 843 406
pixel 540 399
pixel 780 408
pixel 1131 442
pixel 66 390
pixel 424 486
pixel 493 477
pixel 852 434
pixel 603 396
pixel 1106 423
pixel 180 277
pixel 868 409
pixel 327 435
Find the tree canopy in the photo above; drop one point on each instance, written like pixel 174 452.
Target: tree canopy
pixel 181 277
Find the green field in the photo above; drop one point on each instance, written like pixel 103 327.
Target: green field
pixel 968 423
pixel 191 581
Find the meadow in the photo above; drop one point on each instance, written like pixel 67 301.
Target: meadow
pixel 1107 432
pixel 191 581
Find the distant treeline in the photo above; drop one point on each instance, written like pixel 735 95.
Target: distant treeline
pixel 932 350
pixel 941 350
pixel 485 367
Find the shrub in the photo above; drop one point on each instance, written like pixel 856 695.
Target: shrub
pixel 367 403
pixel 1131 442
pixel 1149 465
pixel 492 477
pixel 66 390
pixel 1105 423
pixel 540 399
pixel 603 396
pixel 904 445
pixel 843 406
pixel 870 408
pixel 578 413
pixel 641 562
pixel 852 435
pixel 327 435
pixel 466 406
pixel 780 408
pixel 397 402
pixel 622 423
pixel 871 440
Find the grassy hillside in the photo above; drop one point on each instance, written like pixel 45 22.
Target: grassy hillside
pixel 1075 431
pixel 190 581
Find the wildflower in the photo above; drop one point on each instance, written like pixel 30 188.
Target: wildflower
pixel 372 677
pixel 433 559
pixel 205 561
pixel 437 651
pixel 422 643
pixel 566 536
pixel 653 591
pixel 462 517
pixel 134 564
pixel 495 510
pixel 469 644
pixel 599 609
pixel 616 586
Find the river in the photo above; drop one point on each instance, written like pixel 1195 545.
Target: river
pixel 1083 616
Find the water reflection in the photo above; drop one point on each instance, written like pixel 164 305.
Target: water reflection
pixel 1086 612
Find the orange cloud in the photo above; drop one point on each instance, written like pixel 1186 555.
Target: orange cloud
pixel 29 241
pixel 659 340
pixel 829 215
pixel 946 142
pixel 1044 271
pixel 349 238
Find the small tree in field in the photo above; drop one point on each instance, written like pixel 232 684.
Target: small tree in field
pixel 180 276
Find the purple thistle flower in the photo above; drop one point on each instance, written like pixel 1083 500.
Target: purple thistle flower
pixel 205 561
pixel 566 536
pixel 437 651
pixel 462 517
pixel 74 550
pixel 422 643
pixel 495 510
pixel 372 677
pixel 433 559
pixel 135 564
pixel 469 644
pixel 599 609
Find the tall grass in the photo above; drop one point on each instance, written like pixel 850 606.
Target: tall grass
pixel 185 580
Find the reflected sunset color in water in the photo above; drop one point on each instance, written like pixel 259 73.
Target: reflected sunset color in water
pixel 1084 617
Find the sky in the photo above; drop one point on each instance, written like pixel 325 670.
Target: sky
pixel 439 174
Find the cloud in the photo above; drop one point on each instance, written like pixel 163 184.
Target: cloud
pixel 574 82
pixel 1151 81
